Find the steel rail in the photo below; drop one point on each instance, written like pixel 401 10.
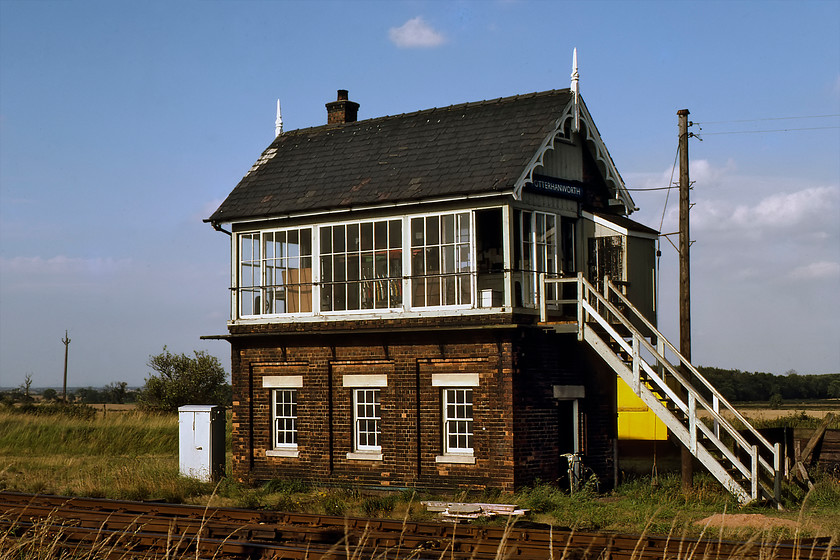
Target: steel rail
pixel 143 529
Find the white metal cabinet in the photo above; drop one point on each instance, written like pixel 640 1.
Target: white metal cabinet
pixel 201 441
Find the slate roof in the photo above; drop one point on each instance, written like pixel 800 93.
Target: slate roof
pixel 460 150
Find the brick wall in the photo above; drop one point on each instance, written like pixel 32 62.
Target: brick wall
pixel 544 360
pixel 515 419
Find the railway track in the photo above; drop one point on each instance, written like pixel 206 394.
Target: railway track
pixel 97 528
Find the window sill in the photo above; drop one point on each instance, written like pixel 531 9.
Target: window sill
pixel 364 456
pixel 462 458
pixel 282 453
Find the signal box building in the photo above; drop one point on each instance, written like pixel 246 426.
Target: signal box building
pixel 385 296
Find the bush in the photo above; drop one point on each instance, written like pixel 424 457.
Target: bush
pixel 181 380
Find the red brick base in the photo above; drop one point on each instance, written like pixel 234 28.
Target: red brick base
pixel 516 420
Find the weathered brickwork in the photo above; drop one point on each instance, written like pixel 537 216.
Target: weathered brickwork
pixel 543 361
pixel 515 415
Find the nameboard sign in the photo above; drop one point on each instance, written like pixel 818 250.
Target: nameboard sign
pixel 557 187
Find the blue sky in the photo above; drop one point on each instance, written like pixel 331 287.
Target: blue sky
pixel 124 124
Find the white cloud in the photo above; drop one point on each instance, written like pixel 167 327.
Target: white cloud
pixel 703 172
pixel 806 208
pixel 415 33
pixel 817 271
pixel 786 209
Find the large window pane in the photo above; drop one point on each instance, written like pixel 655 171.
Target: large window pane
pixel 275 272
pixel 538 252
pixel 440 250
pixel 365 269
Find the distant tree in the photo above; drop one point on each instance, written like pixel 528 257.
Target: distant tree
pixel 50 394
pixel 26 387
pixel 180 380
pixel 89 395
pixel 776 400
pixel 833 389
pixel 116 392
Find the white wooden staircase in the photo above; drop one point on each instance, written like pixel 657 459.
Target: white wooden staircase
pixel 693 410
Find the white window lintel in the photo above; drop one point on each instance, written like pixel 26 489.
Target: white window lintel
pixel 282 382
pixel 454 380
pixel 366 380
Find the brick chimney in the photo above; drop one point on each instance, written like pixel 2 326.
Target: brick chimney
pixel 342 111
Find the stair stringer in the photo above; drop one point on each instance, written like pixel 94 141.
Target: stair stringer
pixel 677 428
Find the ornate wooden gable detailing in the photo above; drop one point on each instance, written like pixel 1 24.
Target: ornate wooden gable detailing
pixel 564 132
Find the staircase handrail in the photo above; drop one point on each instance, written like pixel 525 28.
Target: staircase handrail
pixel 684 406
pixel 585 289
pixel 715 393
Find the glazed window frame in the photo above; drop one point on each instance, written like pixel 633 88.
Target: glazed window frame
pixel 276 384
pixel 358 384
pixel 458 420
pixel 442 260
pixel 274 274
pixel 456 382
pixel 284 418
pixel 539 239
pixel 361 265
pixel 415 262
pixel 367 420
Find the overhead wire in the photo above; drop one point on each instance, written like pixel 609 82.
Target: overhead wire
pixel 662 221
pixel 670 184
pixel 770 119
pixel 770 130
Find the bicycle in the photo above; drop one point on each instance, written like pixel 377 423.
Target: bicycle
pixel 580 476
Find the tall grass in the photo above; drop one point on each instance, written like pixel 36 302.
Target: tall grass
pixel 130 456
pixel 126 434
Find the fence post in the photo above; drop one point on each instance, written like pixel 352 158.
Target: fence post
pixel 754 472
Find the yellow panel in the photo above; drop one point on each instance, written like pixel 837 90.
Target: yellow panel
pixel 635 419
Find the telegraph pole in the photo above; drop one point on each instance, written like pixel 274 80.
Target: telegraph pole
pixel 66 341
pixel 687 459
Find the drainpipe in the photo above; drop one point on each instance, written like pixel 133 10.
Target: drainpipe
pixel 218 227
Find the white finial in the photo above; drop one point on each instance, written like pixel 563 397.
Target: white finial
pixel 278 124
pixel 576 90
